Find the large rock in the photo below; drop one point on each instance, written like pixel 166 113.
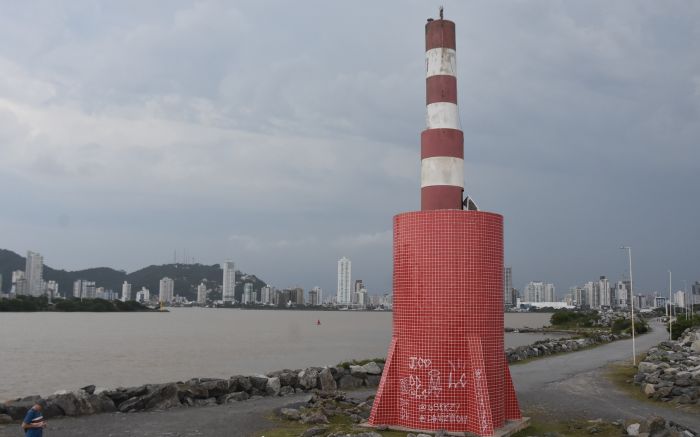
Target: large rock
pixel 315 418
pixel 647 367
pixel 372 380
pixel 290 413
pixel 357 371
pixel 273 386
pixel 308 378
pixel 259 382
pixel 648 390
pixel 17 409
pixel 372 368
pixel 191 391
pixel 326 380
pixel 216 387
pixel 164 397
pixel 240 383
pixel 159 397
pixel 349 382
pixel 122 394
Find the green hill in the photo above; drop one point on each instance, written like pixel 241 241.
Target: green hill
pixel 187 276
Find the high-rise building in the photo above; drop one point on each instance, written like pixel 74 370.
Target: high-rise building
pixel 679 298
pixel 592 294
pixel 202 294
pixel 228 286
pixel 315 296
pixel 126 291
pixel 143 295
pixel 248 297
pixel 266 295
pixel 620 295
pixel 52 289
pixel 19 283
pixel 549 293
pixel 508 288
pixel 84 289
pixel 33 272
pixel 296 295
pixel 166 290
pixel 538 291
pixel 604 290
pixel 344 275
pixel 694 297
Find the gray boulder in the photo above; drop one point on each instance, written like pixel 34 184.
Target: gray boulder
pixel 242 383
pixel 358 371
pixel 273 386
pixel 17 409
pixel 349 382
pixel 372 368
pixel 165 396
pixel 259 382
pixel 308 378
pixel 290 413
pixel 326 380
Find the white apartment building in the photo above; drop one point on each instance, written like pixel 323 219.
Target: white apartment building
pixel 34 274
pixel 343 296
pixel 126 291
pixel 228 284
pixel 201 294
pixel 166 290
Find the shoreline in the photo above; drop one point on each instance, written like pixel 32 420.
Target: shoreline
pixel 365 373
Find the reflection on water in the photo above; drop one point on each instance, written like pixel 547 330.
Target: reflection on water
pixel 45 352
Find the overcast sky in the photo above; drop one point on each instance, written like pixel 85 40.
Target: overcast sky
pixel 284 135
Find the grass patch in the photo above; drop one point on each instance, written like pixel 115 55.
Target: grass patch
pixel 286 428
pixel 573 428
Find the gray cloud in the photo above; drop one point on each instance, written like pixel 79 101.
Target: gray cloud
pixel 285 136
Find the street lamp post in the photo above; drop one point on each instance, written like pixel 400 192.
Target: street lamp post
pixel 634 350
pixel 670 323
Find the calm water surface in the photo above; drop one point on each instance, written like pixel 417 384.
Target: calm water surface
pixel 44 352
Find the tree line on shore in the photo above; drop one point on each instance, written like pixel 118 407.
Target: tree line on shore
pixel 31 303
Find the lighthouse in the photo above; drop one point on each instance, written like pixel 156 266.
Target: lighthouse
pixel 446 367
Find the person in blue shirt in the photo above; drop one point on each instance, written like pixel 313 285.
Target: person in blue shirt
pixel 34 423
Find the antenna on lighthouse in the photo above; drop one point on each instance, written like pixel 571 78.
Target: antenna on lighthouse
pixel 442 9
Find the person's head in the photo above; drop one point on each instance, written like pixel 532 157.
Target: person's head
pixel 40 405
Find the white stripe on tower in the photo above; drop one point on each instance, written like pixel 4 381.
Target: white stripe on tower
pixel 441 61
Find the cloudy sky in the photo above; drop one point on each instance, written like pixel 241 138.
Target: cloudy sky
pixel 284 135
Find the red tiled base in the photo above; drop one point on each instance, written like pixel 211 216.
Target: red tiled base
pixel 446 367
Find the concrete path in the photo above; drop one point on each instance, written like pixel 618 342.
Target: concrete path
pixel 571 385
pixel 561 386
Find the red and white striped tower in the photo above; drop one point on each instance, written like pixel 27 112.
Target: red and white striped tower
pixel 442 142
pixel 446 367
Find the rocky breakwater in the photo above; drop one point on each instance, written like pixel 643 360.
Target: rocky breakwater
pixel 671 370
pixel 196 392
pixel 551 347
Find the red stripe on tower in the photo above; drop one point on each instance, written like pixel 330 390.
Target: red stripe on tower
pixel 442 143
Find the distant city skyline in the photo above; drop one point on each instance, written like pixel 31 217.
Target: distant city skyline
pixel 580 127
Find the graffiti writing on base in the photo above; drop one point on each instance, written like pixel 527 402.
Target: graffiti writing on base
pixel 439 407
pixel 481 403
pixel 457 378
pixel 423 386
pixel 442 418
pixel 403 409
